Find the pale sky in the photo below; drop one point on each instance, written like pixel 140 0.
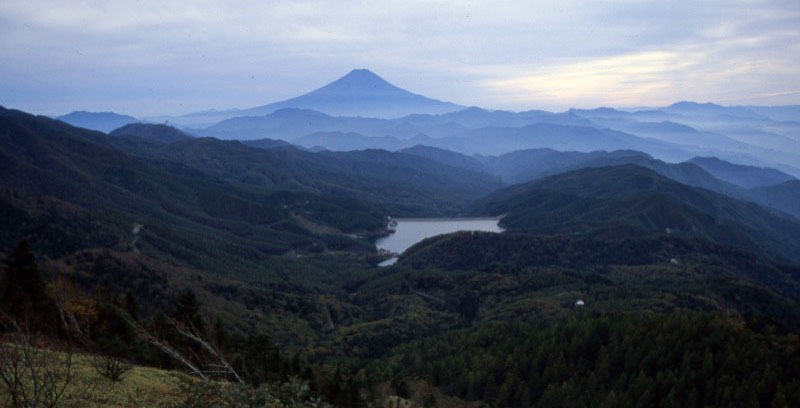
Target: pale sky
pixel 147 58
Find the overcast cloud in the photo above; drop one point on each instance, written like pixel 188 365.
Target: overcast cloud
pixel 152 57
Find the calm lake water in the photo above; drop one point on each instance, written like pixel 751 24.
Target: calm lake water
pixel 409 231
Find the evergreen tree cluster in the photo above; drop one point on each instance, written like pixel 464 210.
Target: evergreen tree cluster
pixel 681 360
pixel 24 298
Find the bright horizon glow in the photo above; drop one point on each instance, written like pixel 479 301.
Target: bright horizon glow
pixel 148 58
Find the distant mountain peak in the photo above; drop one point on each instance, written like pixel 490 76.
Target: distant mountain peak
pixel 363 74
pixel 83 113
pixel 102 121
pixel 360 92
pixel 361 82
pixel 473 109
pixel 692 103
pixel 711 109
pixel 149 131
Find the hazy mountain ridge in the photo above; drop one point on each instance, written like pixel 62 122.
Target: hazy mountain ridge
pixel 487 141
pixel 291 123
pixel 457 131
pixel 779 113
pixel 711 110
pixel 268 144
pixel 731 133
pixel 742 175
pixel 102 121
pixel 156 133
pixel 630 200
pixel 519 167
pixel 339 141
pixel 447 157
pixel 672 133
pixel 403 183
pixel 784 196
pixel 531 164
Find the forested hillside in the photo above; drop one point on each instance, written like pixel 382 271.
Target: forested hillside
pixel 628 201
pixel 613 284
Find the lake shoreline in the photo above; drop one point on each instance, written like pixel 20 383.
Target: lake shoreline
pixel 409 231
pixel 438 219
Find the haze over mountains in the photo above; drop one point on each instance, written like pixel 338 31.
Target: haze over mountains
pixel 749 153
pixel 427 180
pixel 361 110
pixel 271 216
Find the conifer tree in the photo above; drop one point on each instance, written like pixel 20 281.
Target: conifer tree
pixel 23 290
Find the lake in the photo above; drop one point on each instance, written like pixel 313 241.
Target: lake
pixel 409 231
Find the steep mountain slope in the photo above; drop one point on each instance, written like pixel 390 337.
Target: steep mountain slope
pixel 784 196
pixel 73 182
pixel 447 157
pixel 400 184
pixel 102 121
pixel 707 265
pixel 525 165
pixel 632 201
pixel 741 175
pixel 268 144
pixel 156 133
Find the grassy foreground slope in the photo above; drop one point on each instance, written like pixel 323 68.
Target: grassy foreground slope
pixel 140 387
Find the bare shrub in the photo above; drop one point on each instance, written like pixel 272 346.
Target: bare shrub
pixel 216 364
pixel 110 367
pixel 33 376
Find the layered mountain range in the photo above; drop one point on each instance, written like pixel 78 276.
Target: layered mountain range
pixel 417 181
pixel 641 257
pixel 678 226
pixel 363 111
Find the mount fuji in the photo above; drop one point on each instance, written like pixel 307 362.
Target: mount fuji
pixel 359 93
